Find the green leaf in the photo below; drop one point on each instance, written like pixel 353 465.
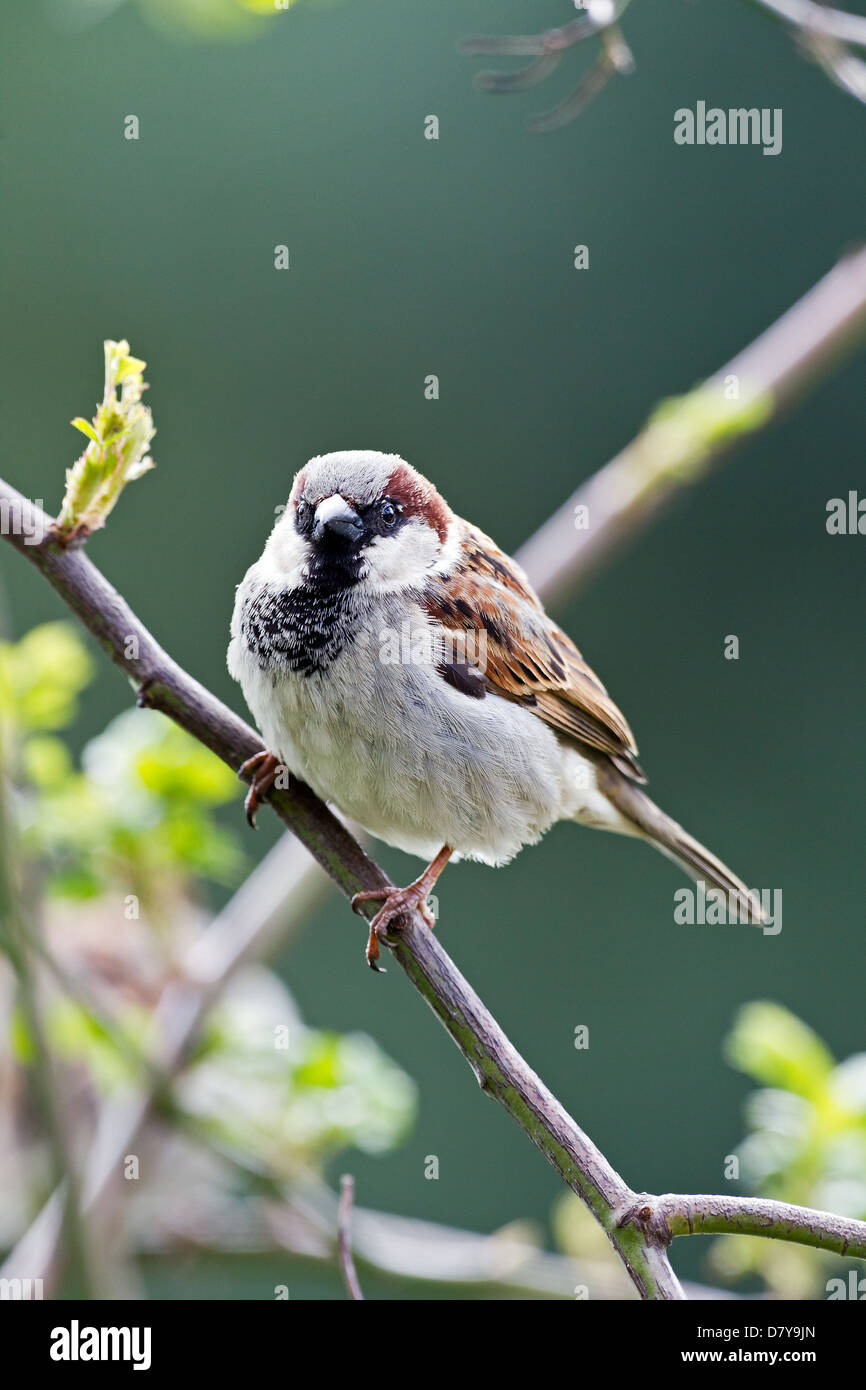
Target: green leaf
pixel 42 676
pixel 776 1048
pixel 21 1038
pixel 127 367
pixel 117 452
pixel 86 428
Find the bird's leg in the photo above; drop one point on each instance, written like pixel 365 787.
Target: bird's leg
pixel 262 769
pixel 397 902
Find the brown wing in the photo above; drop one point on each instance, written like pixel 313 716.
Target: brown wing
pixel 523 654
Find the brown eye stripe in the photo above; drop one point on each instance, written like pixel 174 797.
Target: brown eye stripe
pixel 417 498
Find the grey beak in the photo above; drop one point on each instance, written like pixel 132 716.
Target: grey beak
pixel 335 514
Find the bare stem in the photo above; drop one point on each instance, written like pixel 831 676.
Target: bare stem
pixel 344 1238
pixel 809 18
pixel 677 1215
pixel 681 442
pixel 244 930
pixel 21 944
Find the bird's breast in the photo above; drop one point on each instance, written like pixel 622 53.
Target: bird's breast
pixel 349 694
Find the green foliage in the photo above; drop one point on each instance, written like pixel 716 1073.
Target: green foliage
pixel 774 1047
pixel 806 1144
pixel 135 822
pixel 78 1036
pixel 41 678
pixel 158 788
pixel 806 1141
pixel 117 450
pixel 207 19
pixel 140 812
pixel 683 430
pixel 288 1096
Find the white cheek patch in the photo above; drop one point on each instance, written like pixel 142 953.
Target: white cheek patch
pixel 401 560
pixel 451 549
pixel 286 553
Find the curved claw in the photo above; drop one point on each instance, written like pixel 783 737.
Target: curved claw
pixel 261 769
pixel 367 895
pixel 251 805
pixel 399 902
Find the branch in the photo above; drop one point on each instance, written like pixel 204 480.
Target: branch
pixel 824 35
pixel 424 1252
pixel 20 940
pixel 245 929
pixel 810 18
pixel 675 1215
pixel 684 438
pixel 344 1238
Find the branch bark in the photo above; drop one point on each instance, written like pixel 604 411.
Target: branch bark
pixel 676 1215
pixel 344 1238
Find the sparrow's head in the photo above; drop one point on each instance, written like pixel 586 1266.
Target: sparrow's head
pixel 362 517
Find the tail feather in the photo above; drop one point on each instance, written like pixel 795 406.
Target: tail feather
pixel 675 842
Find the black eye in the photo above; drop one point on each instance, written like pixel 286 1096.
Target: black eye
pixel 388 512
pixel 302 509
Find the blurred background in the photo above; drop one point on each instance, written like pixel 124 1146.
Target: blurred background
pixel 410 257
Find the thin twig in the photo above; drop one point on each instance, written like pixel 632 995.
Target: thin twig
pixel 824 35
pixel 680 444
pixel 426 1252
pixel 21 943
pixel 344 1238
pixel 248 926
pixel 809 18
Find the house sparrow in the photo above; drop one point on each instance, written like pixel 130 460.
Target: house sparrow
pixel 401 665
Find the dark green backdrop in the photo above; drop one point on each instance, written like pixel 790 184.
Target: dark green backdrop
pixel 454 257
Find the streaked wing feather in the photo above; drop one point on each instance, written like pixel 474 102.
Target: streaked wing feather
pixel 528 658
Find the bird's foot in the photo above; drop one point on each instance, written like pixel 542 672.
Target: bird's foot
pixel 399 902
pixel 261 769
pixel 396 903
